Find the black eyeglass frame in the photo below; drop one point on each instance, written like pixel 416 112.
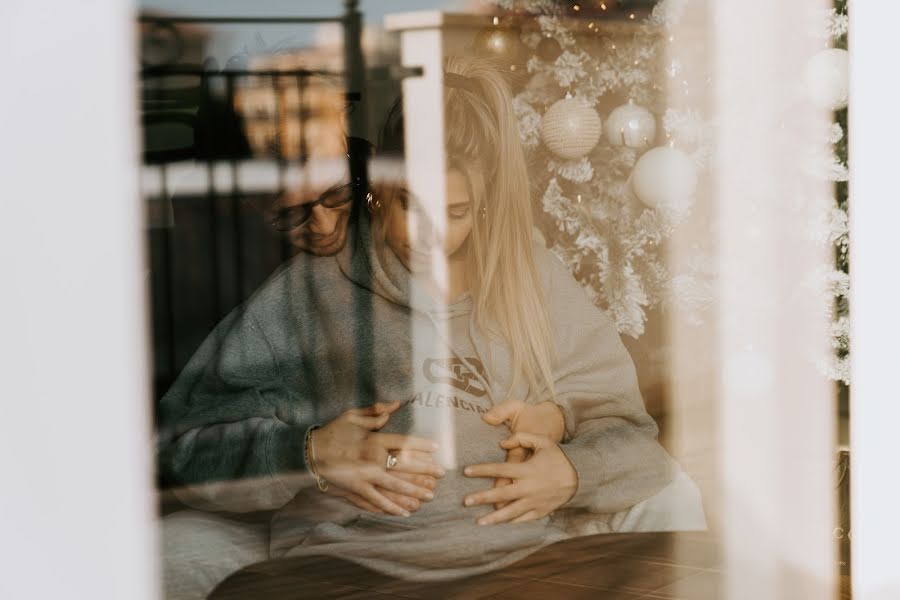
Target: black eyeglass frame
pixel 282 222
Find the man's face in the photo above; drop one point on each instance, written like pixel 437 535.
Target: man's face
pixel 324 233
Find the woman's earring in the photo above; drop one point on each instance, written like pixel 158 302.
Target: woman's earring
pixel 372 202
pixel 483 213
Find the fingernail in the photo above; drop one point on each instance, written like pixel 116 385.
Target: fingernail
pixel 441 472
pixel 467 471
pixel 434 446
pixel 405 513
pixel 469 502
pixel 429 495
pixel 481 522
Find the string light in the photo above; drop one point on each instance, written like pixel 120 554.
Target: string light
pixel 602 6
pixel 496 20
pixel 576 7
pixel 631 16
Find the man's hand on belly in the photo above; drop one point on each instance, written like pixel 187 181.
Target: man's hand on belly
pixel 351 455
pixel 408 502
pixel 544 419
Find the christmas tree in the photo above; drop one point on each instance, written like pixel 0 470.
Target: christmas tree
pixel 613 189
pixel 618 143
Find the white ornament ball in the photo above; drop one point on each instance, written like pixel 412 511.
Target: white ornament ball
pixel 631 125
pixel 570 128
pixel 665 178
pixel 827 78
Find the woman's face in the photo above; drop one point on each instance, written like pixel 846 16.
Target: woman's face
pixel 411 234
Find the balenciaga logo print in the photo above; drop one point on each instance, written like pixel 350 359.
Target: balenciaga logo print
pixel 455 372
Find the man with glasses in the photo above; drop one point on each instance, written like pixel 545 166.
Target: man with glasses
pixel 316 225
pixel 313 214
pixel 316 222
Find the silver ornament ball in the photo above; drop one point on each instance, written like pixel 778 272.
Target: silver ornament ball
pixel 665 178
pixel 631 125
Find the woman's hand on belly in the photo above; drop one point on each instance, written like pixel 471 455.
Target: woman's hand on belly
pixel 544 419
pixel 540 484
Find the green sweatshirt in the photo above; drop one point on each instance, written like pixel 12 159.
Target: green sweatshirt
pixel 325 334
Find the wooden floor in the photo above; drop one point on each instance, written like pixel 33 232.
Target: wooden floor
pixel 611 567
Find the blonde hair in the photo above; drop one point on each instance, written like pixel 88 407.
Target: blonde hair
pixel 481 134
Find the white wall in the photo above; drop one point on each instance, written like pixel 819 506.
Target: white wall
pixel 875 291
pixel 75 465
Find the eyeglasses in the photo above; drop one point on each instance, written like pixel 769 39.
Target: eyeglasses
pixel 293 217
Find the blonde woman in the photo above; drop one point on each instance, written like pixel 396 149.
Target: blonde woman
pixel 300 380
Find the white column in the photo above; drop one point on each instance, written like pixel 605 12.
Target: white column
pixel 426 37
pixel 776 412
pixel 422 45
pixel 76 504
pixel 875 296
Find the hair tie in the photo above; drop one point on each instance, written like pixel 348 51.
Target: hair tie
pixel 461 82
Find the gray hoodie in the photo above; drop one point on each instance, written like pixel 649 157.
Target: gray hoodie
pixel 325 334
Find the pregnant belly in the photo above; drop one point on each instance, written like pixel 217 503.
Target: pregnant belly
pixel 314 518
pixel 466 440
pixel 447 504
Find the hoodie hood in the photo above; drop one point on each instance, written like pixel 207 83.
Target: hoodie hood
pixel 382 272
